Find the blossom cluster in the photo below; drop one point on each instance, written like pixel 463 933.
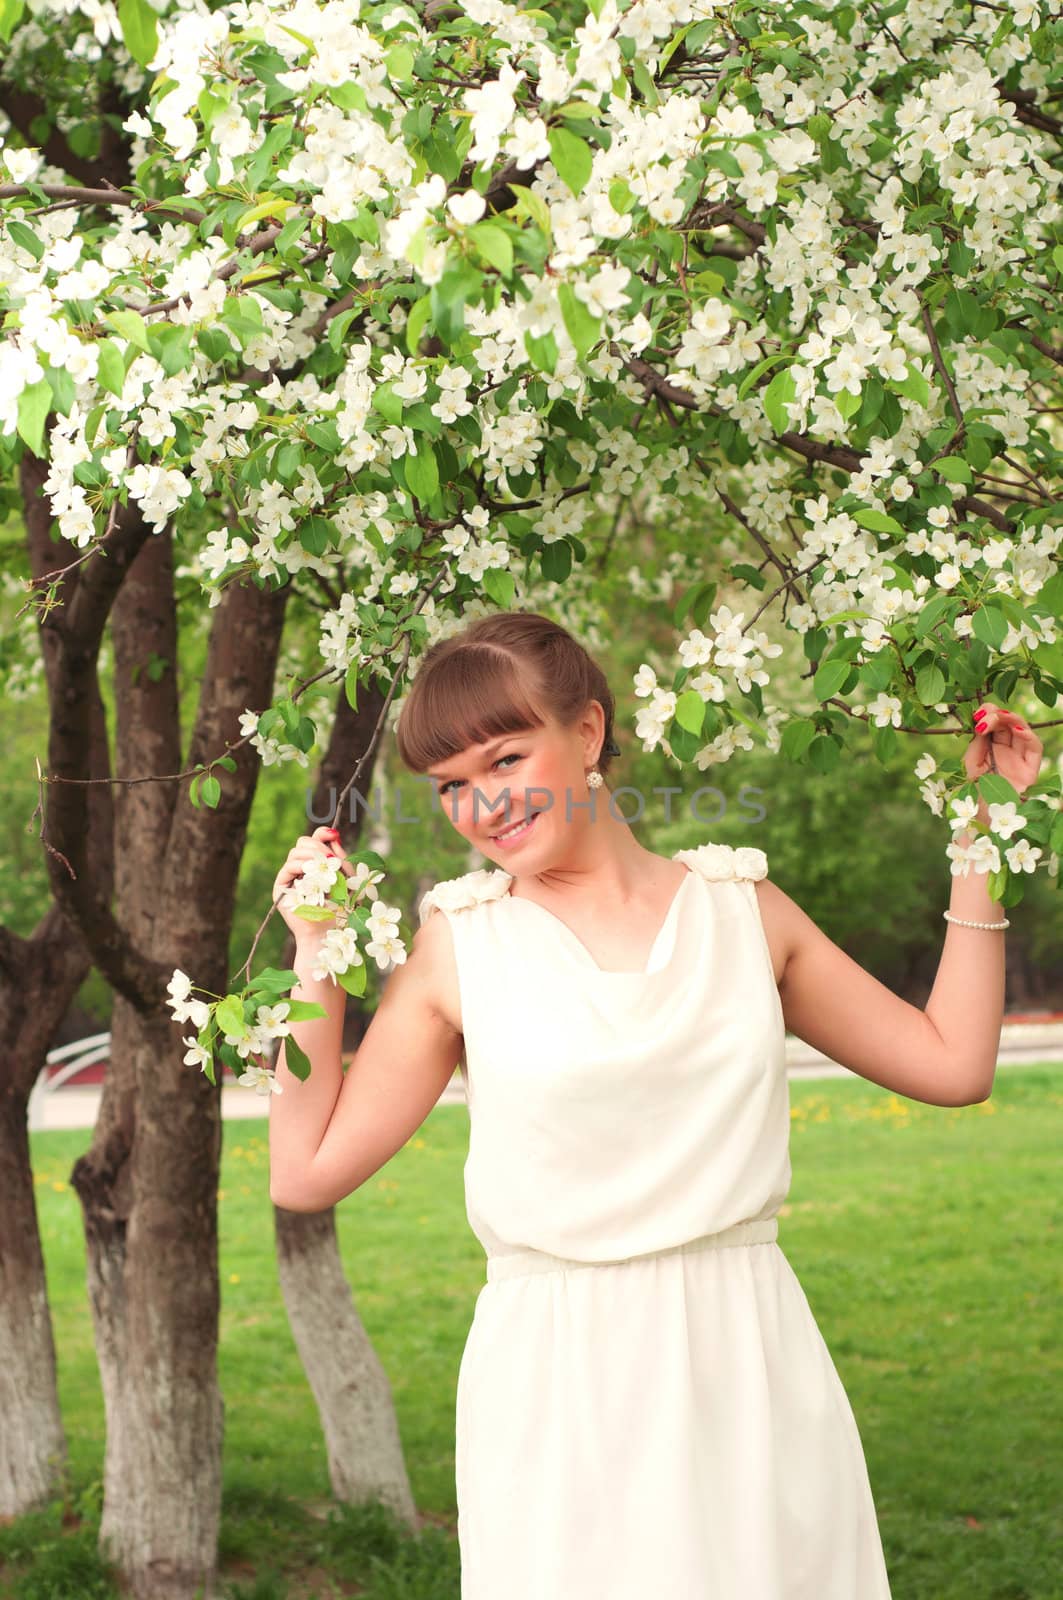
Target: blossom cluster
pixel 514 269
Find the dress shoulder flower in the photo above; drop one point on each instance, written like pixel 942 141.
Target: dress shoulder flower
pixel 721 861
pixel 459 894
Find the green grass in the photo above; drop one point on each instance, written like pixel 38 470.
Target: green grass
pixel 927 1242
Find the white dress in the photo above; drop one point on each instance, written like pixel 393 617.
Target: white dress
pixel 646 1406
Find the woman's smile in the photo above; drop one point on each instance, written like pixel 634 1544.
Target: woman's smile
pixel 517 832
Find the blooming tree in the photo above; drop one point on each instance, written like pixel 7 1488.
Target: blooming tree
pixel 401 301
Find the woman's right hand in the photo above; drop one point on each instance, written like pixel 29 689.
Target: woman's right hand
pixel 322 842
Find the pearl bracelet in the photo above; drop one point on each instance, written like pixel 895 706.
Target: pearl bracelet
pixel 965 924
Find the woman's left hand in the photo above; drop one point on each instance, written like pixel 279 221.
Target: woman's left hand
pixel 1002 743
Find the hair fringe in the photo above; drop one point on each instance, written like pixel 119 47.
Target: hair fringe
pixel 499 675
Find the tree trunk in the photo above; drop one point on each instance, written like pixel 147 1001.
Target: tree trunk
pixel 32 1441
pixel 151 1230
pixel 352 1391
pixel 39 977
pixel 148 1184
pixel 350 1386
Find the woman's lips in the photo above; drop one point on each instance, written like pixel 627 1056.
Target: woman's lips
pixel 517 835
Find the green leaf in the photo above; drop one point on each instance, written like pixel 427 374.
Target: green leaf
pixel 572 157
pixel 930 685
pixel 23 236
pixel 292 230
pixel 353 980
pixel 339 325
pixel 954 469
pixel 824 753
pixel 62 386
pixel 528 203
pixel 702 603
pixel 748 574
pixel 10 16
pixel 494 244
pixel 34 404
pixel 877 521
pixel 387 402
pixel 914 385
pixel 542 351
pixel 111 371
pixel 230 1016
pixel 400 63
pixel 556 561
pixel 830 677
pixel 422 472
pixel 690 711
pixel 274 980
pixel 996 790
pixel 885 741
pixel 140 29
pixel 989 625
pixel 930 615
pixel 132 327
pixel 350 685
pixel 304 1011
pixel 848 403
pixel 776 397
pixel 315 535
pixel 295 1059
pixel 583 329
pixel 758 371
pixel 621 196
pixel 500 587
pixel 415 323
pixel 1049 598
pixel 211 791
pixel 448 300
pixel 797 735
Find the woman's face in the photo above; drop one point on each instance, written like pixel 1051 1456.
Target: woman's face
pixel 496 787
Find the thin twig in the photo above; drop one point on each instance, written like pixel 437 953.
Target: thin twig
pixel 360 763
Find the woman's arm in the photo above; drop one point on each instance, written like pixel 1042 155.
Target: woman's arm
pixel 299 1115
pixel 944 1054
pixel 327 1136
pixel 966 1003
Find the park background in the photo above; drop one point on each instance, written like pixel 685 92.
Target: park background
pixel 925 1237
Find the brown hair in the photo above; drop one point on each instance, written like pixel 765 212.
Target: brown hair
pixel 495 676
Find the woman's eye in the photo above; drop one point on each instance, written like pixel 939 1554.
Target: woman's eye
pixel 514 755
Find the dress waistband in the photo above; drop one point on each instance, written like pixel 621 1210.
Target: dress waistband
pixel 516 1263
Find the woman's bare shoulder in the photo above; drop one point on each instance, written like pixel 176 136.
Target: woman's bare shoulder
pixel 432 955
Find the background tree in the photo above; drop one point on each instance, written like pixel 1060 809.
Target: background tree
pixel 393 306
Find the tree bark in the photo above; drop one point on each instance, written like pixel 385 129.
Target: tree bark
pixel 352 1391
pixel 350 1386
pixel 148 1184
pixel 32 1442
pixel 39 977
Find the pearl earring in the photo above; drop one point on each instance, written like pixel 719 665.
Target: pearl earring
pixel 594 779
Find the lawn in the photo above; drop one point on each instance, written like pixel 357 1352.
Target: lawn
pixel 927 1242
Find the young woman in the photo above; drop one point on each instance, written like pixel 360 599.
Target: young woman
pixel 645 1403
